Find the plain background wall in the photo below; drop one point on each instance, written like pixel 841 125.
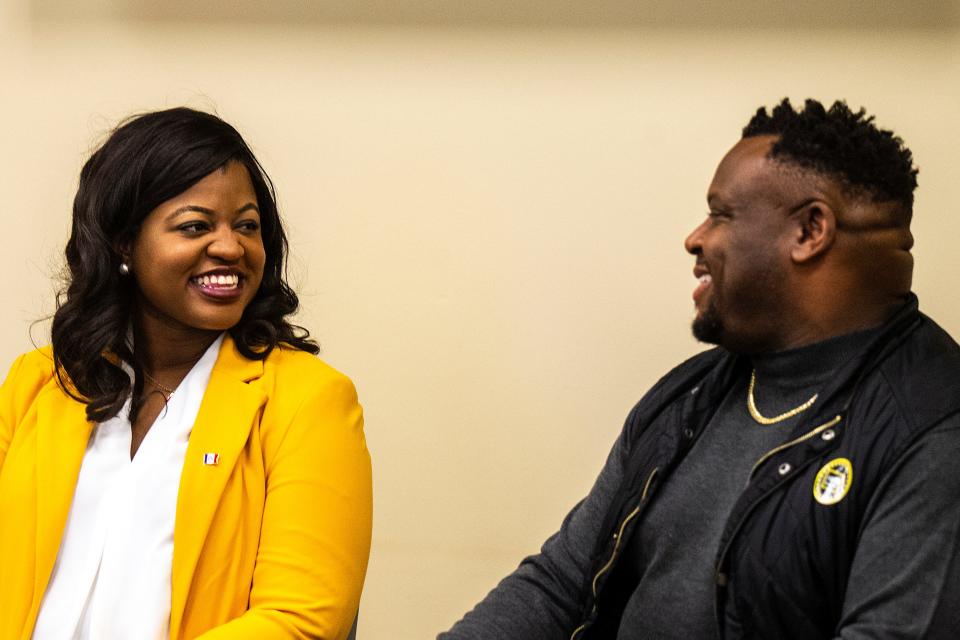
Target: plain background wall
pixel 486 217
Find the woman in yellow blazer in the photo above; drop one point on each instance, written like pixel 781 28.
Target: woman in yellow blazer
pixel 177 249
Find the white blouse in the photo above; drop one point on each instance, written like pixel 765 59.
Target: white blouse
pixel 112 577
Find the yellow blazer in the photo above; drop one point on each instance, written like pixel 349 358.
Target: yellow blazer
pixel 270 543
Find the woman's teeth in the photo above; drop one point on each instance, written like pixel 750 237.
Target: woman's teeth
pixel 219 281
pixel 705 278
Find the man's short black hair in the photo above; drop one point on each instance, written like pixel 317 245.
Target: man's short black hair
pixel 842 144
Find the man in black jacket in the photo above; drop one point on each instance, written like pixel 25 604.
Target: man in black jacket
pixel 801 480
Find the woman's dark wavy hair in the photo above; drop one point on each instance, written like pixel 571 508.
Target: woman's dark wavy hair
pixel 145 161
pixel 843 144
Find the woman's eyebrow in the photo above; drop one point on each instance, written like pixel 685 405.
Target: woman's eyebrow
pixel 250 206
pixel 192 207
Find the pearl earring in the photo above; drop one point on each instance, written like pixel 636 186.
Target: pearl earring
pixel 124 269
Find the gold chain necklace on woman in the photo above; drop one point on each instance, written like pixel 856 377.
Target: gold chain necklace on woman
pixel 167 391
pixel 762 419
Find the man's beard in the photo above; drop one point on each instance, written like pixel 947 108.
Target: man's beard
pixel 708 326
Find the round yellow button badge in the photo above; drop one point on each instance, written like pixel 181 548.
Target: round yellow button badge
pixel 833 481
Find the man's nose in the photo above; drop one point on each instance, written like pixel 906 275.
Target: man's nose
pixel 694 242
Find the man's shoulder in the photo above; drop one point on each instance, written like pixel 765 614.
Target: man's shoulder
pixel 923 373
pixel 692 370
pixel 924 353
pixel 936 337
pixel 697 364
pixel 682 378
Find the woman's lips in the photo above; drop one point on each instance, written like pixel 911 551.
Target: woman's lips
pixel 219 287
pixel 224 280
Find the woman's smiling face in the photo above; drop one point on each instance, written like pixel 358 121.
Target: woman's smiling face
pixel 198 258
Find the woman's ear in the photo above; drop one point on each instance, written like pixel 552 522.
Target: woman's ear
pixel 124 250
pixel 816 230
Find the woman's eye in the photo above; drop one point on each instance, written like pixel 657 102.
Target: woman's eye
pixel 249 225
pixel 197 226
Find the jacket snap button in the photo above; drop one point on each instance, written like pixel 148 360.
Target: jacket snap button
pixel 784 469
pixel 688 433
pixel 828 435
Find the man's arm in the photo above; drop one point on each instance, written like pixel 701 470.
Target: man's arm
pixel 541 600
pixel 905 578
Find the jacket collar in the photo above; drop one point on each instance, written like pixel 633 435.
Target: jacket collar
pixel 227 414
pixel 835 398
pixel 62 435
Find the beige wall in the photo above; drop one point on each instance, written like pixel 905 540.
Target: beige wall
pixel 486 228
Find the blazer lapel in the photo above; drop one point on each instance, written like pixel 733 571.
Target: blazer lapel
pixel 62 435
pixel 226 416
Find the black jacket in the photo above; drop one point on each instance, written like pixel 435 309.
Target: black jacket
pixel 784 558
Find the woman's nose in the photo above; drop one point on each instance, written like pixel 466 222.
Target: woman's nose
pixel 224 245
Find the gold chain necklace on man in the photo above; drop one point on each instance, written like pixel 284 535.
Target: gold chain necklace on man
pixel 167 391
pixel 762 419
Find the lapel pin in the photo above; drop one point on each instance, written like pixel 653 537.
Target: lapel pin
pixel 211 458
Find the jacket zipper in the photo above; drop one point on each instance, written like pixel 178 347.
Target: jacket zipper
pixel 616 546
pixel 721 579
pixel 787 445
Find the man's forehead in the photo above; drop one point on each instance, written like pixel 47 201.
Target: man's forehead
pixel 747 169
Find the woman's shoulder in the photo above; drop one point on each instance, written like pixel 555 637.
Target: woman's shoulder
pixel 26 379
pixel 287 359
pixel 296 369
pixel 36 366
pixel 296 382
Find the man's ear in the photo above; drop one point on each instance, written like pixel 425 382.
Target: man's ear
pixel 815 232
